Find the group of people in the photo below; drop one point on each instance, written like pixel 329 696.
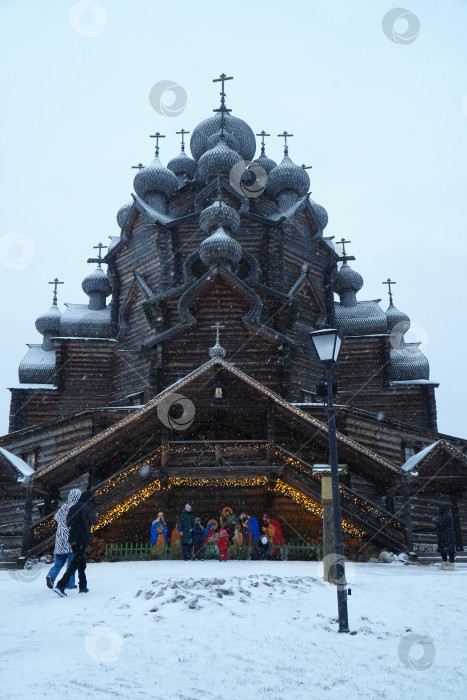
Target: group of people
pixel 74 521
pixel 231 533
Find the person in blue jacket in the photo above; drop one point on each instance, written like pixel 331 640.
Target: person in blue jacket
pixel 262 548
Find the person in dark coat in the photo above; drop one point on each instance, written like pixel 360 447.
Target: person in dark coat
pixel 185 524
pixel 198 531
pixel 79 521
pixel 446 536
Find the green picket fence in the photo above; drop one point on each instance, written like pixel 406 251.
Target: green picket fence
pixel 142 551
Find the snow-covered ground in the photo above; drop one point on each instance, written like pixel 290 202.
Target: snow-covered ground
pixel 210 630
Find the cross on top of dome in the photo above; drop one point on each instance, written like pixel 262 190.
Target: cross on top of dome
pixel 182 132
pixel 389 281
pixel 157 136
pixel 55 283
pixel 222 109
pixel 262 134
pixel 217 350
pixel 344 257
pixel 285 135
pixel 99 257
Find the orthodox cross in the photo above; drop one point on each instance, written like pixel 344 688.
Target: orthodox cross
pixel 183 132
pixel 217 351
pixel 55 283
pixel 137 167
pixel 285 136
pixel 217 326
pixel 222 109
pixel 262 134
pixel 157 136
pixel 344 257
pixel 99 258
pixel 389 281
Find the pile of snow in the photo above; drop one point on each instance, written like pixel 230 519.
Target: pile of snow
pixel 208 630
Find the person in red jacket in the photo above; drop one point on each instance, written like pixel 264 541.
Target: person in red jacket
pixel 273 530
pixel 223 545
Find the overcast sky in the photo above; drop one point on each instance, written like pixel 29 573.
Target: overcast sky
pixel 379 112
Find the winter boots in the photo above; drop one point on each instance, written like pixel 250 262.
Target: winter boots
pixel 49 581
pixel 447 566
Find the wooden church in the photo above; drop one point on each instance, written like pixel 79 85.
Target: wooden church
pixel 190 375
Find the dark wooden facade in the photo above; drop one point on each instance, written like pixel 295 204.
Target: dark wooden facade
pixel 165 303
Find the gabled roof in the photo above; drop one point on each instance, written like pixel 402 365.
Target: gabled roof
pixel 145 413
pixel 423 457
pixel 15 466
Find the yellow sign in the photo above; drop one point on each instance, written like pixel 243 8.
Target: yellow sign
pixel 326 488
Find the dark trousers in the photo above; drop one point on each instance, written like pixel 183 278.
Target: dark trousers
pixel 186 551
pixel 198 549
pixel 78 563
pixel 262 549
pixel 444 557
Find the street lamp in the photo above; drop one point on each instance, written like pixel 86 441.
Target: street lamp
pixel 327 345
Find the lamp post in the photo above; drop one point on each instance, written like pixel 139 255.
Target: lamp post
pixel 327 345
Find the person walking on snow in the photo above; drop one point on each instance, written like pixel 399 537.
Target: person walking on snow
pixel 185 524
pixel 446 536
pixel 62 551
pixel 80 519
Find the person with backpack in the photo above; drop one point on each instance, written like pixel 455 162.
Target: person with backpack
pixel 81 517
pixel 62 552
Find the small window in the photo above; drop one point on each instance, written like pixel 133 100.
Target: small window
pixel 409 452
pixel 136 399
pixel 30 458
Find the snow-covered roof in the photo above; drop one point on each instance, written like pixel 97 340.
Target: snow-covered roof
pixel 49 387
pixel 17 462
pixel 413 381
pixel 415 459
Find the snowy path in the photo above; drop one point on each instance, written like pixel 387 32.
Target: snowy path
pixel 213 631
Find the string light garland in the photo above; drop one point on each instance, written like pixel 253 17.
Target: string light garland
pixel 130 503
pixel 285 490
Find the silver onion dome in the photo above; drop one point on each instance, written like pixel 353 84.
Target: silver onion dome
pixel 155 178
pixel 397 318
pixel 233 125
pixel 49 322
pixel 218 160
pixel 122 214
pixel 220 249
pixel 266 163
pixel 288 176
pixel 231 140
pixel 182 165
pixel 96 282
pixel 219 214
pixel 320 214
pixel 347 279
